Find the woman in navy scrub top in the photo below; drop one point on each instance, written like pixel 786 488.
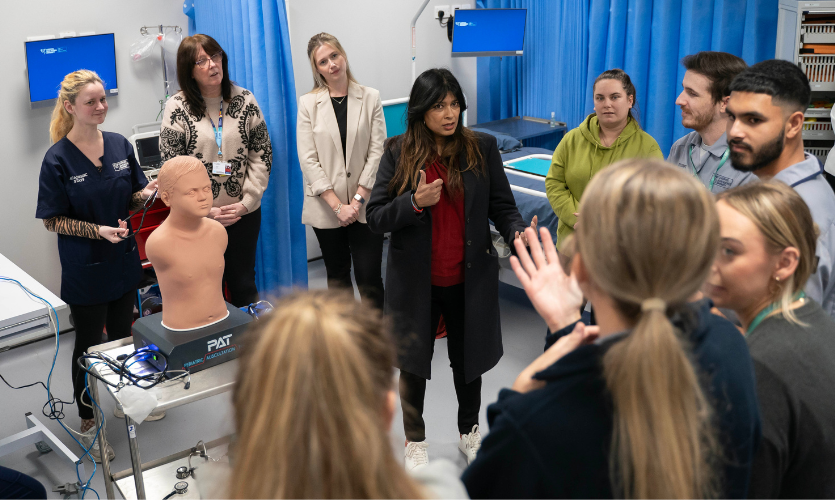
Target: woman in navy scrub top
pixel 89 182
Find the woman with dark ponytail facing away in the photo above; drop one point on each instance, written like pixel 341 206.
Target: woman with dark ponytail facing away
pixel 659 400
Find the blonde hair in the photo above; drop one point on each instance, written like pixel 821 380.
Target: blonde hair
pixel 72 85
pixel 785 221
pixel 309 400
pixel 650 231
pixel 317 41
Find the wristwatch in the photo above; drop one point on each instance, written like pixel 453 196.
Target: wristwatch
pixel 359 199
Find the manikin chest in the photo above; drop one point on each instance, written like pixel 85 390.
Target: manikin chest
pixel 193 261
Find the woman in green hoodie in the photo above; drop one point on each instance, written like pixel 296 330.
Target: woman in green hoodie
pixel 609 134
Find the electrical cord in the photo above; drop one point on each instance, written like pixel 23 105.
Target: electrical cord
pixel 56 405
pixel 121 367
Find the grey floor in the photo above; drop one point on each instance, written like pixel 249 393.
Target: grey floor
pixel 209 419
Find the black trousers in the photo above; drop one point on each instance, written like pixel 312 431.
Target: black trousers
pixel 448 301
pixel 89 322
pixel 239 273
pixel 354 242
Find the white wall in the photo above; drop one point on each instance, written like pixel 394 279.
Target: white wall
pixel 377 39
pixel 25 136
pixel 375 34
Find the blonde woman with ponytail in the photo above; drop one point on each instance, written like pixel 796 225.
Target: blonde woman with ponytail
pixel 89 182
pixel 765 259
pixel 314 402
pixel 658 400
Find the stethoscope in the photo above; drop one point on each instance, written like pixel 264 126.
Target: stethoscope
pixel 144 209
pixel 722 161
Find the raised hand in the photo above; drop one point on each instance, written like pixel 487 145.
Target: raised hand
pixel 554 295
pixel 427 195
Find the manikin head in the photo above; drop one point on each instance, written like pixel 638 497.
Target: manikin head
pixel 765 113
pixel 184 185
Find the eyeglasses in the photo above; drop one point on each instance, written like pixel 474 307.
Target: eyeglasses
pixel 202 63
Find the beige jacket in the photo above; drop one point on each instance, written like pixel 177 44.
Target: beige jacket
pixel 320 150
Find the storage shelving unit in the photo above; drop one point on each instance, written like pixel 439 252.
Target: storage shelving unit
pixel 806 36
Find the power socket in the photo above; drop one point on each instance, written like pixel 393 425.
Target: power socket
pixel 444 8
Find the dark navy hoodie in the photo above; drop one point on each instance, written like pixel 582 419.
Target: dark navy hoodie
pixel 554 442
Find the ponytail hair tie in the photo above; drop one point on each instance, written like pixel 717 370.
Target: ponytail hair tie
pixel 654 304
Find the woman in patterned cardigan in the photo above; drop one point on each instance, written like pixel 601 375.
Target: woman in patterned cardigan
pixel 221 124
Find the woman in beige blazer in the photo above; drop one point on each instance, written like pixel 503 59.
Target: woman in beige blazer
pixel 340 137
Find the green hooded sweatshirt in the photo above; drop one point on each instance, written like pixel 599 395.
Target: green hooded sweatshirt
pixel 579 156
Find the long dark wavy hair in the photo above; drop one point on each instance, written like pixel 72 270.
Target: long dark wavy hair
pixel 186 57
pixel 417 144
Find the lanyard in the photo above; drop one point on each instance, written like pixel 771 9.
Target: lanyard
pixel 768 310
pixel 218 130
pixel 722 161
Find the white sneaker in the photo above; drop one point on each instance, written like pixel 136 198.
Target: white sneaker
pixel 88 440
pixel 118 412
pixel 416 455
pixel 470 444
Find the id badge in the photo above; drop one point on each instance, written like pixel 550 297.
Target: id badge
pixel 221 168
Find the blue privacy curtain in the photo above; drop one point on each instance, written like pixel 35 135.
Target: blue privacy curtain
pixel 569 42
pixel 255 37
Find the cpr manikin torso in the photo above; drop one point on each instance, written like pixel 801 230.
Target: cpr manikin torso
pixel 187 249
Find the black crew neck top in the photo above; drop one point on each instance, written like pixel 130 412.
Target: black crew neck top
pixel 340 108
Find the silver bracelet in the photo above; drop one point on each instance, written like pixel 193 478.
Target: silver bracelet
pixel 337 209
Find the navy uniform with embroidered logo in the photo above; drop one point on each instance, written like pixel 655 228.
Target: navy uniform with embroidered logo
pixel 93 271
pixel 89 183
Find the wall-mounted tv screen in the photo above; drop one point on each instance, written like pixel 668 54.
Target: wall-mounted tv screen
pixel 48 61
pixel 488 32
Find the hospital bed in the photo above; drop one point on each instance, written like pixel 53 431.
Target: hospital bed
pixel 526 170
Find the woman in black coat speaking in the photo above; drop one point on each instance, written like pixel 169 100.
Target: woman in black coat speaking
pixel 438 187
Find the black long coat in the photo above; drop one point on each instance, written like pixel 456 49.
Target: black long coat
pixel 408 271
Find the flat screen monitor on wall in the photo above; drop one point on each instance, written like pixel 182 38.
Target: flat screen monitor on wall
pixel 48 61
pixel 488 32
